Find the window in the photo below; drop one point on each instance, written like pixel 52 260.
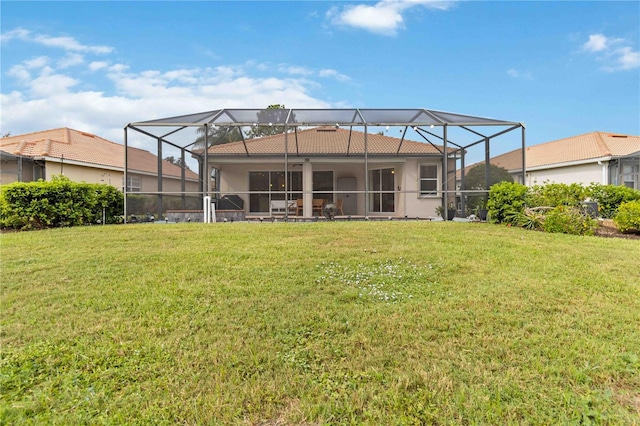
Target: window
pixel 323 185
pixel 266 186
pixel 382 196
pixel 133 183
pixel 429 178
pixel 630 175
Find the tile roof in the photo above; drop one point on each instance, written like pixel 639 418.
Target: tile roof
pixel 325 141
pixel 87 148
pixel 589 146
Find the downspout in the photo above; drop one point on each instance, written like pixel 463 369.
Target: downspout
pixel 20 168
pixel 604 172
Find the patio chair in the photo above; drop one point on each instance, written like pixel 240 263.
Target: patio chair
pixel 339 206
pixel 299 210
pixel 317 206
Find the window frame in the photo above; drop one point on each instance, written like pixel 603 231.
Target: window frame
pixel 131 179
pixel 437 179
pixel 379 197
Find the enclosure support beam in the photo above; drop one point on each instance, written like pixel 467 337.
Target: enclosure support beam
pixel 183 179
pixel 445 171
pixel 487 162
pixel 286 174
pixel 126 174
pixel 206 178
pixel 524 164
pixel 159 158
pixel 463 198
pixel 366 174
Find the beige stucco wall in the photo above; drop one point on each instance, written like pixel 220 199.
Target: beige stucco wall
pixel 234 179
pixel 79 173
pixel 583 174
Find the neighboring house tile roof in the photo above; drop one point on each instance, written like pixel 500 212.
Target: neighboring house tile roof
pixel 325 141
pixel 70 144
pixel 590 146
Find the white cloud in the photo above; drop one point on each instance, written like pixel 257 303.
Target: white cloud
pixel 615 53
pixel 626 58
pixel 596 43
pixel 51 91
pixel 22 72
pixel 329 73
pixel 65 43
pixel 385 17
pixel 519 74
pixel 294 69
pixel 38 62
pixel 48 83
pixel 98 65
pixel 70 60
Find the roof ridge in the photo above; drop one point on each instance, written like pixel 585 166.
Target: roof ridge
pixel 47 147
pixel 602 145
pixel 21 145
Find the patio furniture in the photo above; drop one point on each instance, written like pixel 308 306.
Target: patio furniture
pixel 299 210
pixel 317 206
pixel 281 206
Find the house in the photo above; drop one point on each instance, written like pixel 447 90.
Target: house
pixel 329 164
pixel 317 155
pixel 596 157
pixel 84 157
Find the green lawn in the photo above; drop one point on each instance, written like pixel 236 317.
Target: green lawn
pixel 378 323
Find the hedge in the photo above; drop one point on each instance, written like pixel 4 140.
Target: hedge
pixel 628 216
pixel 557 207
pixel 59 202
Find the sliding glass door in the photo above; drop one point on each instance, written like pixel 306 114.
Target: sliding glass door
pixel 381 193
pixel 266 186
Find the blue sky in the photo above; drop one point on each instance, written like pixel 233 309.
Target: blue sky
pixel 563 68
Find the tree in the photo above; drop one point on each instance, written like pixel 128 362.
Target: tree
pixel 273 114
pixel 177 161
pixel 475 179
pixel 218 135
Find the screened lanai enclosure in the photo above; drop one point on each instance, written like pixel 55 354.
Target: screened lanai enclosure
pixel 292 163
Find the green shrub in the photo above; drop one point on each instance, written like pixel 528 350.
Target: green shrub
pixel 609 197
pixel 530 218
pixel 60 202
pixel 556 194
pixel 628 217
pixel 505 198
pixel 569 220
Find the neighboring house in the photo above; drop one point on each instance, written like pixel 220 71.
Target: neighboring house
pixel 84 157
pixel 596 157
pixel 404 177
